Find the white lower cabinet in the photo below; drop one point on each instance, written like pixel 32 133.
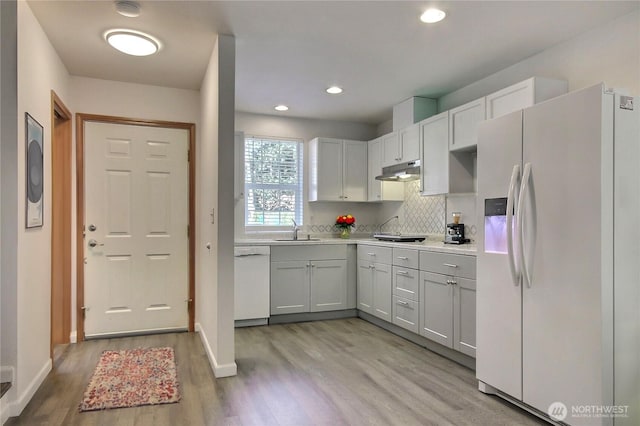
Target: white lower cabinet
pixel 374 281
pixel 289 287
pixel 314 280
pixel 328 285
pixel 448 301
pixel 428 293
pixel 406 284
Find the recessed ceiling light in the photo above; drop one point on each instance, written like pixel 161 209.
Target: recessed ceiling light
pixel 281 108
pixel 132 42
pixel 431 16
pixel 334 90
pixel 130 9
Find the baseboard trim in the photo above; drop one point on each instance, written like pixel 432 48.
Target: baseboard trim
pixel 14 408
pixel 219 370
pixel 7 374
pixel 73 337
pixel 313 316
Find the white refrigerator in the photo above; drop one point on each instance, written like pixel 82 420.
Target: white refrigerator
pixel 558 262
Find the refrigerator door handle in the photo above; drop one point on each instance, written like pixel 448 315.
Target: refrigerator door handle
pixel 524 185
pixel 515 273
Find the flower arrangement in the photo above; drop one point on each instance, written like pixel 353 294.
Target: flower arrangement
pixel 345 223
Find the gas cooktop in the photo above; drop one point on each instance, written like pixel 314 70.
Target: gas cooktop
pixel 399 238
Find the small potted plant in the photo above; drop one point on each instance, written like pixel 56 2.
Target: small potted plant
pixel 344 225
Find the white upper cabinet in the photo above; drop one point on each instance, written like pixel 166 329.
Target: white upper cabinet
pixel 463 125
pixel 391 149
pixel 410 143
pixel 401 146
pixel 354 180
pixel 379 190
pixel 523 94
pixel 338 170
pixel 434 170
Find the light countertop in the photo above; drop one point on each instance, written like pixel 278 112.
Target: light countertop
pixel 427 245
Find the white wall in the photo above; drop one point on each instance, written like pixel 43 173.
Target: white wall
pixel 215 167
pixel 610 54
pixel 39 71
pixel 9 196
pixel 317 213
pixel 95 96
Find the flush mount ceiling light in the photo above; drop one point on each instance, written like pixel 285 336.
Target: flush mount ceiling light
pixel 130 9
pixel 281 108
pixel 334 90
pixel 431 16
pixel 132 42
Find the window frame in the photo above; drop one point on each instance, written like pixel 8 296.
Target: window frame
pixel 297 188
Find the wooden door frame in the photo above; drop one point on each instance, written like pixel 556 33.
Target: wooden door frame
pixel 61 165
pixel 81 119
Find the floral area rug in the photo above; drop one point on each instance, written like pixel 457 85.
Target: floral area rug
pixel 130 378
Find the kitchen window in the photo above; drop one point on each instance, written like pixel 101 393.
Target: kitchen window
pixel 273 183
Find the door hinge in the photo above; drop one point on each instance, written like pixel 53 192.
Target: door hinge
pixel 188 155
pixel 188 234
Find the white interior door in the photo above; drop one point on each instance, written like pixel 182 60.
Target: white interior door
pixel 136 219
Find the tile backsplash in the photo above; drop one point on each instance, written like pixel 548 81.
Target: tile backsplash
pixel 422 215
pixel 429 215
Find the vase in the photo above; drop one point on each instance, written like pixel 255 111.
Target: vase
pixel 345 233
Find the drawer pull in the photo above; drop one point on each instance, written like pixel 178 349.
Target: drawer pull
pixel 450 265
pixel 403 258
pixel 452 282
pixel 402 273
pixel 371 254
pixel 403 303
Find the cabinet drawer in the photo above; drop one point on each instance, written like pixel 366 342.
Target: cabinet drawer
pixel 406 313
pixel 405 257
pixel 308 252
pixel 448 264
pixel 406 282
pixel 374 253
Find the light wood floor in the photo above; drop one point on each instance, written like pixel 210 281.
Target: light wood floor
pixel 341 372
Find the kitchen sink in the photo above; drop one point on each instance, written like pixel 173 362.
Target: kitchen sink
pixel 301 240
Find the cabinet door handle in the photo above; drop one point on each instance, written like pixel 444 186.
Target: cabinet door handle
pixel 402 273
pixel 450 265
pixel 345 197
pixel 403 258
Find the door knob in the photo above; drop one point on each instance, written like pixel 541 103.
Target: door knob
pixel 93 243
pixel 92 227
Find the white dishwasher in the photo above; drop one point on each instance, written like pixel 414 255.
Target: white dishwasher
pixel 251 282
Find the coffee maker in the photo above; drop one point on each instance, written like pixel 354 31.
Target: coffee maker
pixel 455 234
pixel 455 231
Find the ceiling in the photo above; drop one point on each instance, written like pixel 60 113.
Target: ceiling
pixel 289 52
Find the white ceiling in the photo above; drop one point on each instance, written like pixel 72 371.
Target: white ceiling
pixel 290 51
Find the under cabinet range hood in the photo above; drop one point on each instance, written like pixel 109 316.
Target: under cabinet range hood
pixel 402 172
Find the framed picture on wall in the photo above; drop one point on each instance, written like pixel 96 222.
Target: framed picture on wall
pixel 34 135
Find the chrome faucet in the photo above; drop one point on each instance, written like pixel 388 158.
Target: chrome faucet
pixel 387 221
pixel 295 230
